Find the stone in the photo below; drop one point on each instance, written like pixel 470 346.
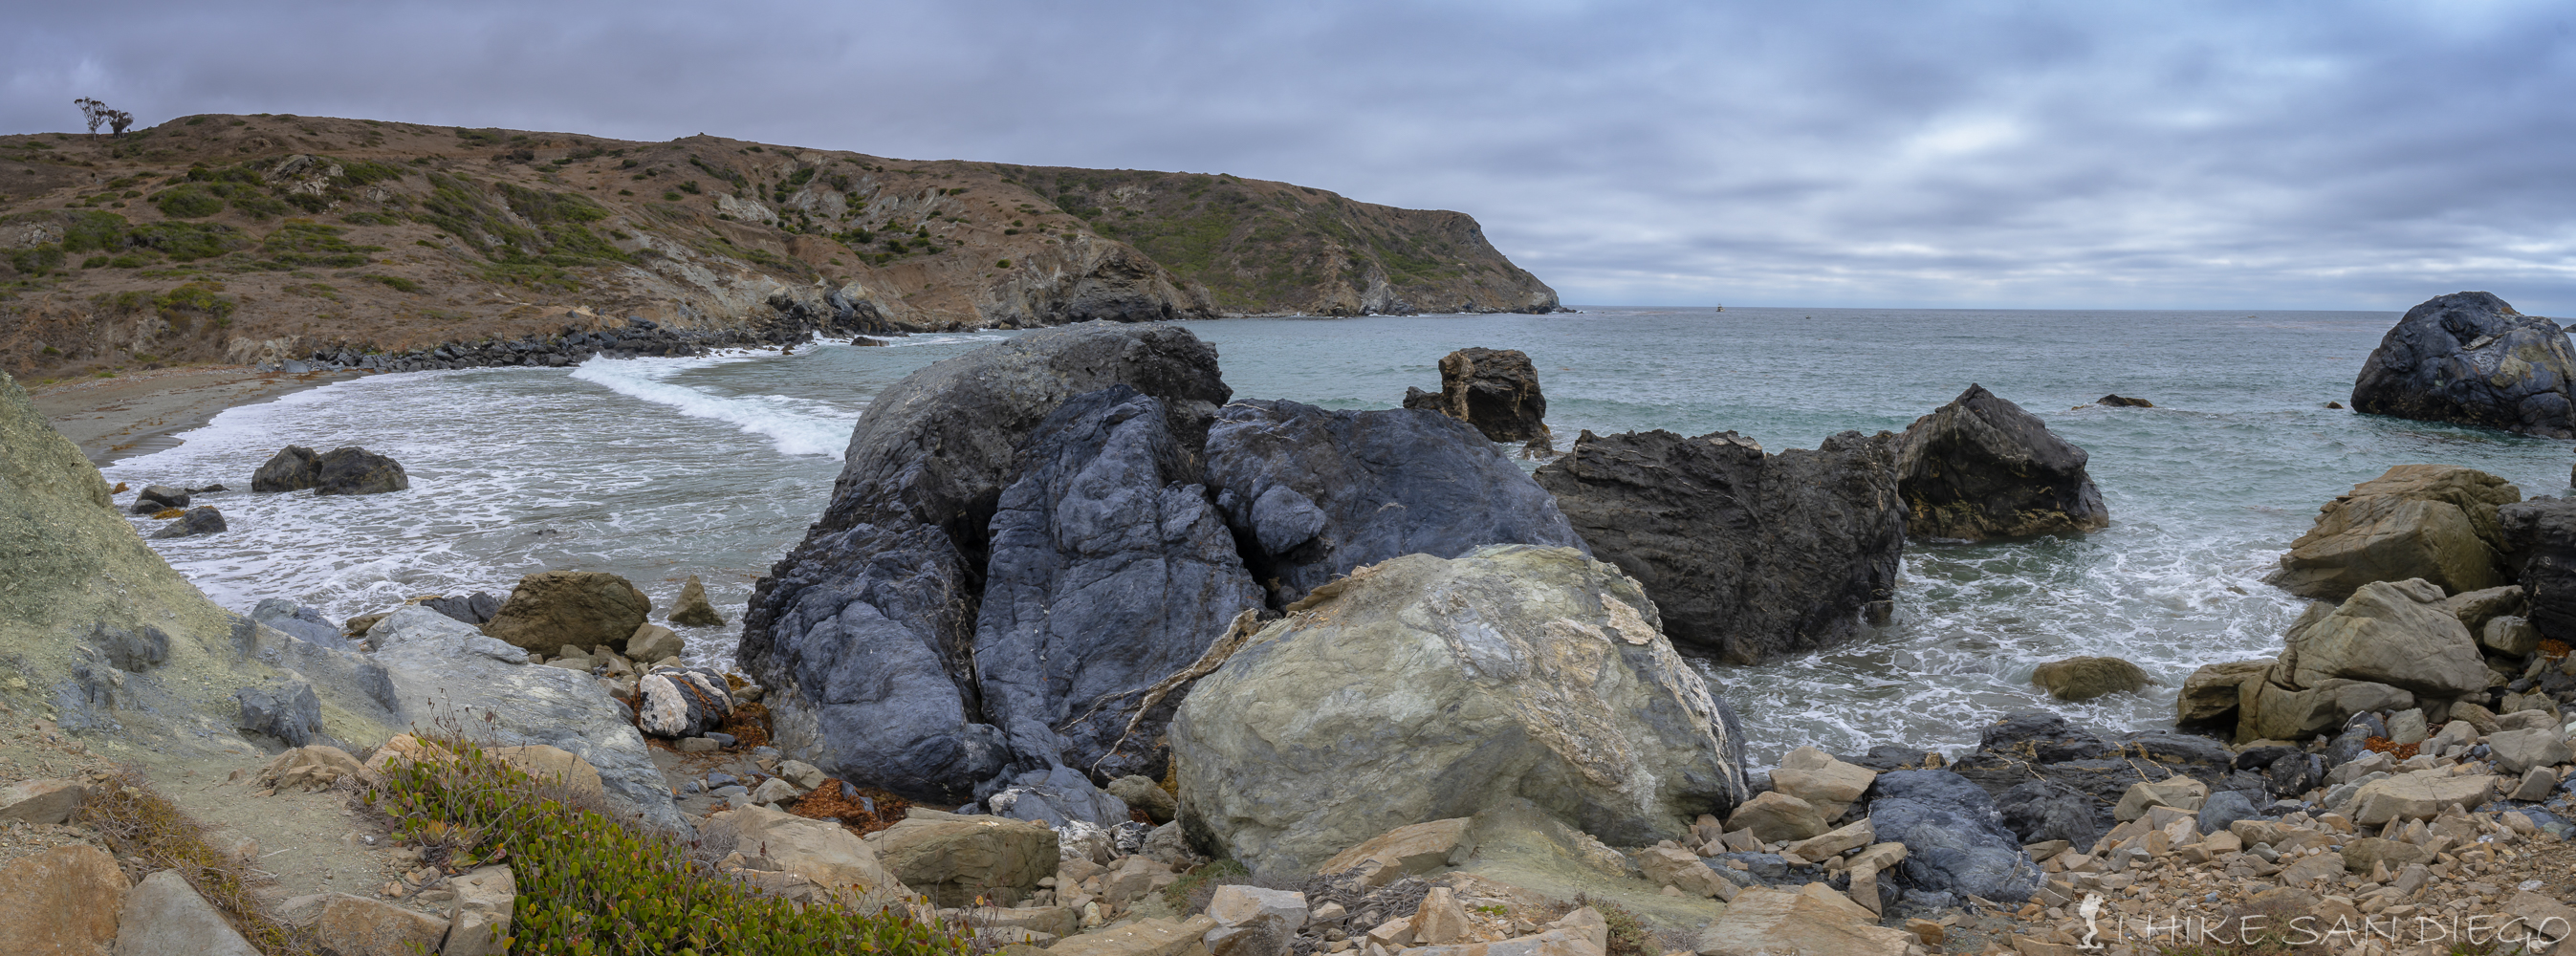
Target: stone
pixel 2394 633
pixel 2469 358
pixel 284 708
pixel 200 520
pixel 2180 793
pixel 1832 843
pixel 293 468
pixel 653 642
pixel 476 608
pixel 164 916
pixel 2283 713
pixel 62 901
pixel 2210 694
pixel 2476 608
pixel 1059 793
pixel 1142 793
pixel 41 801
pixel 2518 750
pixel 826 854
pixel 583 608
pixel 1513 671
pixel 2418 796
pixel 1495 390
pixel 2367 853
pixel 1763 922
pixel 1747 555
pixel 1440 919
pixel 1954 845
pixel 1144 937
pixel 2541 915
pixel 859 631
pixel 681 702
pixel 2536 785
pixel 1409 850
pixel 1684 870
pixel 1235 904
pixel 154 498
pixel 2327 867
pixel 2438 523
pixel 2118 401
pixel 2085 678
pixel 803 775
pixel 303 622
pixel 2223 809
pixel 2541 538
pixel 692 608
pixel 314 767
pixel 1315 493
pixel 1981 468
pixel 2407 727
pixel 356 471
pixel 954 859
pixel 357 926
pixel 479 925
pixel 2040 810
pixel 1828 784
pixel 2510 636
pixel 420 632
pixel 774 790
pixel 1110 569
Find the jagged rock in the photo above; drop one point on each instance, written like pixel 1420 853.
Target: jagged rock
pixel 1981 468
pixel 357 926
pixel 1056 794
pixel 863 631
pixel 480 924
pixel 2418 796
pixel 2027 746
pixel 1495 390
pixel 293 468
pixel 954 859
pixel 41 801
pixel 692 608
pixel 285 709
pixel 154 498
pixel 1747 555
pixel 1514 671
pixel 653 642
pixel 2210 694
pixel 1830 785
pixel 164 916
pixel 2476 608
pixel 1109 571
pixel 301 621
pixel 2469 358
pixel 2280 712
pixel 1408 850
pixel 2085 678
pixel 1315 493
pixel 2540 536
pixel 2510 636
pixel 2223 809
pixel 2396 633
pixel 357 471
pixel 1761 922
pixel 550 609
pixel 200 520
pixel 476 608
pixel 2435 522
pixel 1954 844
pixel 2519 750
pixel 2180 793
pixel 62 901
pixel 681 702
pixel 2047 810
pixel 1776 817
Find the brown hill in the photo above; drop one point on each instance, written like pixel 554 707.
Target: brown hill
pixel 244 238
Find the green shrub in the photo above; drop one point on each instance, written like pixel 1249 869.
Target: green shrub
pixel 37 260
pixel 94 231
pixel 188 202
pixel 185 241
pixel 199 297
pixel 690 187
pixel 130 261
pixel 50 350
pixel 1004 264
pixel 670 196
pixel 303 242
pixel 371 219
pixel 590 884
pixel 397 283
pixel 359 172
pixel 479 137
pixel 94 262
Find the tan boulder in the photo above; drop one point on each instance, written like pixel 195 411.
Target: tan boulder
pixel 2420 795
pixel 1402 852
pixel 357 926
pixel 1440 919
pixel 480 922
pixel 2476 608
pixel 1766 922
pixel 653 642
pixel 2509 635
pixel 1144 937
pixel 953 859
pixel 692 608
pixel 2398 633
pixel 1583 932
pixel 1776 817
pixel 62 902
pixel 1682 870
pixel 314 767
pixel 2085 678
pixel 2180 793
pixel 164 916
pixel 41 801
pixel 2282 713
pixel 2210 693
pixel 819 850
pixel 2520 750
pixel 1830 785
pixel 1833 843
pixel 550 609
pixel 2434 522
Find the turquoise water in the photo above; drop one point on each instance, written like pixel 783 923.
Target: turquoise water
pixel 662 468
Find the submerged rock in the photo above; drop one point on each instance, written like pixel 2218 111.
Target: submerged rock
pixel 2085 678
pixel 357 471
pixel 200 520
pixel 1495 390
pixel 2469 358
pixel 2435 522
pixel 1981 468
pixel 550 609
pixel 1747 555
pixel 293 468
pixel 1424 688
pixel 157 498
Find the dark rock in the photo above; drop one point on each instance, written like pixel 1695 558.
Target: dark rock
pixel 1982 468
pixel 209 489
pixel 1886 757
pixel 2541 533
pixel 357 471
pixel 2041 810
pixel 2116 401
pixel 294 468
pixel 1938 786
pixel 863 632
pixel 2257 758
pixel 136 650
pixel 159 498
pixel 475 608
pixel 202 519
pixel 1314 493
pixel 682 702
pixel 301 621
pixel 1748 555
pixel 2470 358
pixel 1494 390
pixel 1110 570
pixel 1054 795
pixel 1760 869
pixel 285 709
pixel 1955 845
pixel 2225 807
pixel 2029 746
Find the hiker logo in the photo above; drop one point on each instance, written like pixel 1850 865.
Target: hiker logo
pixel 2091 910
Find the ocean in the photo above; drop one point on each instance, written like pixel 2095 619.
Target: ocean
pixel 658 469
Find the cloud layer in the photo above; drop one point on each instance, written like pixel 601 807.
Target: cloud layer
pixel 2167 155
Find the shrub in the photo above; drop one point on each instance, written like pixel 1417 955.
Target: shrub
pixel 303 242
pixel 690 187
pixel 199 297
pixel 130 261
pixel 94 231
pixel 370 219
pixel 186 241
pixel 1004 264
pixel 37 260
pixel 188 202
pixel 589 884
pixel 670 196
pixel 94 262
pixel 396 283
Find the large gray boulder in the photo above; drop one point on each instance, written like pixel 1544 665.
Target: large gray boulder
pixel 2470 358
pixel 864 631
pixel 2439 523
pixel 1314 493
pixel 2541 543
pixel 1981 468
pixel 1110 570
pixel 1955 843
pixel 2401 634
pixel 1748 555
pixel 1424 689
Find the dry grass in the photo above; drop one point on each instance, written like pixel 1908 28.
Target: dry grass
pixel 137 822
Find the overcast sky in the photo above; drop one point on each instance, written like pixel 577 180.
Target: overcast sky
pixel 2067 154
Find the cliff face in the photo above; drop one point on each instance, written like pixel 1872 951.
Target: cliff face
pixel 242 238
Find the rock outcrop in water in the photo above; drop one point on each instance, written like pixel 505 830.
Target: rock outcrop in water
pixel 2433 522
pixel 1495 390
pixel 344 471
pixel 1981 468
pixel 2469 358
pixel 1748 555
pixel 1422 689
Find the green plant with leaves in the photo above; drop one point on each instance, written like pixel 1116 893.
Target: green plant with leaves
pixel 301 243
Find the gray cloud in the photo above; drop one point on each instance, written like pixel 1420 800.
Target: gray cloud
pixel 2216 155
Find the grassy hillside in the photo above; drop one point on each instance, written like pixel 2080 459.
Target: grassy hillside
pixel 238 238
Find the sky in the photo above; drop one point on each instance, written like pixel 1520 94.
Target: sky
pixel 2175 154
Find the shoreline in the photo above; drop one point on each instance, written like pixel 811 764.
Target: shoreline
pixel 135 414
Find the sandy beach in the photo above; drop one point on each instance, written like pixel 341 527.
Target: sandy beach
pixel 139 413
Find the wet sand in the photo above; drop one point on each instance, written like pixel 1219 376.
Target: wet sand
pixel 138 413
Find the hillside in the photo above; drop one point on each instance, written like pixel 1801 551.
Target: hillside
pixel 249 238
